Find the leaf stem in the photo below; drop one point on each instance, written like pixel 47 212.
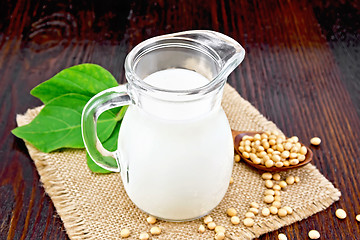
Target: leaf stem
pixel 121 113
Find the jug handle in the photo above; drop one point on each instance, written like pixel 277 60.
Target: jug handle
pixel 105 100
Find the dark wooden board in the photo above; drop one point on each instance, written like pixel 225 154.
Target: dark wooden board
pixel 301 71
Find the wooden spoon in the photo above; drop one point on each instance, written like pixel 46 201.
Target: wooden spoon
pixel 238 135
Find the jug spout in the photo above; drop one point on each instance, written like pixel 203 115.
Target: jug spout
pixel 227 52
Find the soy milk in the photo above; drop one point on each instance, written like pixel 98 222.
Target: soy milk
pixel 191 160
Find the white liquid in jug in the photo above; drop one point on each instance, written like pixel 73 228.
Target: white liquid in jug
pixel 179 169
pixel 176 79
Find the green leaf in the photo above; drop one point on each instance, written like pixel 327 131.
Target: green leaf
pixel 94 167
pixel 85 79
pixel 111 145
pixel 58 125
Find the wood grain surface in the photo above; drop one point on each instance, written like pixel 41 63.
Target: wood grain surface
pixel 302 71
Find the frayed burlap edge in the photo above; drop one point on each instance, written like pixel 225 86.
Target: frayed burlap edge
pixel 77 228
pixel 74 223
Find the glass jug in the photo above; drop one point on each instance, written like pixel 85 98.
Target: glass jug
pixel 175 148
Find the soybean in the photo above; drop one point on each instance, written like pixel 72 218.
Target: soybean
pixel 276 176
pixel 269 198
pixel 249 215
pixel 340 213
pixel 265 212
pixel 273 210
pixel 266 176
pixel 231 212
pixel 257 161
pixel 155 230
pixel 269 192
pixel 275 158
pixel 280 147
pixel 219 236
pixel 282 212
pixel 269 163
pixel 254 205
pixel 290 180
pixel 272 142
pixel 254 210
pixel 285 154
pixel 249 222
pixel 269 183
pixel 282 236
pixel 283 184
pixel 301 158
pixel 279 164
pixel 288 209
pixel 295 139
pixel 313 234
pixel 277 204
pixel 208 219
pixel 211 225
pixel 315 141
pixel 303 150
pixel 144 236
pixel 151 220
pixel 294 161
pixel 235 220
pixel 219 229
pixel 125 233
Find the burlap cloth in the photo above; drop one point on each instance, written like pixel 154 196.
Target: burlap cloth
pixel 95 206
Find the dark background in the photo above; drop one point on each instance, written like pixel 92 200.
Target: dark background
pixel 301 71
